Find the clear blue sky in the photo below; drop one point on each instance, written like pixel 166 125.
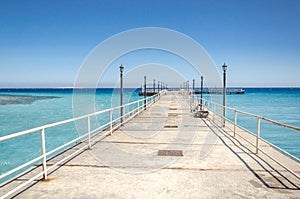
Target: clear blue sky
pixel 43 43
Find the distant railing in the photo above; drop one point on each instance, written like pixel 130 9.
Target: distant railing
pixel 213 107
pixel 133 109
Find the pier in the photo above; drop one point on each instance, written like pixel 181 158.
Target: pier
pixel 216 91
pixel 164 151
pixel 205 91
pixel 148 93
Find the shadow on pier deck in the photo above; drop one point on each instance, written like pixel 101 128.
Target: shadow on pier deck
pixel 200 160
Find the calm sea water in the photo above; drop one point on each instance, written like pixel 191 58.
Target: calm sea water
pixel 280 104
pixel 22 113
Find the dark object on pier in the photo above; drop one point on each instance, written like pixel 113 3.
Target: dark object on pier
pixel 148 93
pixel 216 91
pixel 201 114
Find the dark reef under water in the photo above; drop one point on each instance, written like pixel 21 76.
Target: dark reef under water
pixel 21 99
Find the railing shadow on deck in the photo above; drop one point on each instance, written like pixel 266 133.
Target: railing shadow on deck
pixel 282 182
pixel 260 156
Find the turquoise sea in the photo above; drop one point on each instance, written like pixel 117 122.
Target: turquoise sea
pixel 279 104
pixel 23 109
pixel 46 106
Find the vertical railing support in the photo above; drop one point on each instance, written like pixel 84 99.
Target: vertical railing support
pixel 235 123
pixel 214 111
pixel 147 101
pixel 89 131
pixel 132 109
pixel 44 165
pixel 257 134
pixel 110 121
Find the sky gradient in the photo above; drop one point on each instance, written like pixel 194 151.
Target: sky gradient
pixel 43 43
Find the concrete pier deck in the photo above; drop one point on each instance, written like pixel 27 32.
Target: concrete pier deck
pixel 165 152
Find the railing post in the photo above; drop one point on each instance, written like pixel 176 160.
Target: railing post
pixel 132 108
pixel 110 121
pixel 190 99
pixel 235 123
pixel 224 115
pixel 214 111
pixel 44 165
pixel 257 134
pixel 89 131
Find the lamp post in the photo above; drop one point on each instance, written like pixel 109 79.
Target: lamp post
pixel 121 92
pixel 193 95
pixel 193 85
pixel 145 92
pixel 201 93
pixel 224 67
pixel 154 87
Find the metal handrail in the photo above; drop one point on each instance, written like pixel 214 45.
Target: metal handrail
pixel 253 115
pixel 136 107
pixel 257 134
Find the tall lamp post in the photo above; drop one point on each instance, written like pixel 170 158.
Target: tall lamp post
pixel 201 96
pixel 145 92
pixel 121 92
pixel 193 86
pixel 224 67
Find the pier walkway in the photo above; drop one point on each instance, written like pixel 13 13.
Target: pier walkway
pixel 165 152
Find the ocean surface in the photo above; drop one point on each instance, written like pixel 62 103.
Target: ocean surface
pixel 279 104
pixel 22 109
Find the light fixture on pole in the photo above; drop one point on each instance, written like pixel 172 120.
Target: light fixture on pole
pixel 121 92
pixel 224 67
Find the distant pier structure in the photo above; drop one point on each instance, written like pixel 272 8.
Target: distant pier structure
pixel 218 91
pixel 152 91
pixel 205 91
pixel 148 93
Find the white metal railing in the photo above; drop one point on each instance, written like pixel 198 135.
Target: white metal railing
pixel 213 107
pixel 133 109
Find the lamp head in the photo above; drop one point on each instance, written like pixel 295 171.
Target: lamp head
pixel 224 67
pixel 121 68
